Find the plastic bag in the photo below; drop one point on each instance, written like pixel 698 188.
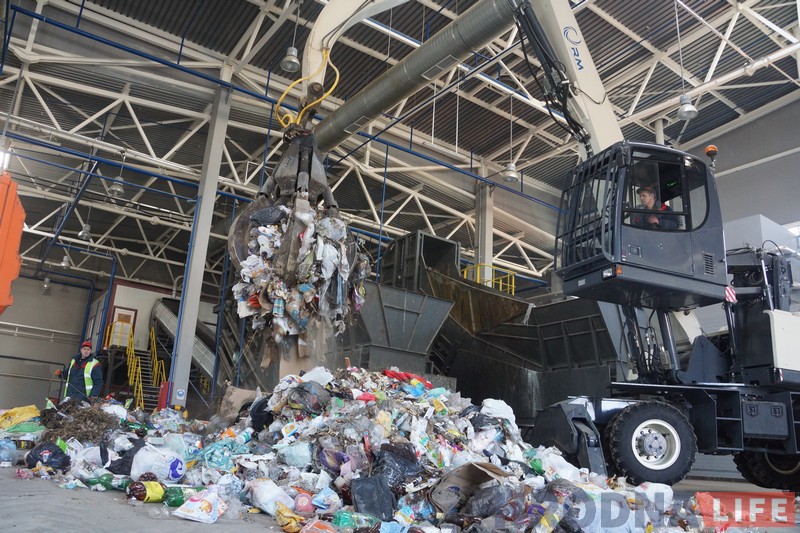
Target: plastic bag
pixel 17 415
pixel 371 495
pixel 122 465
pixel 310 396
pixel 162 462
pixel 319 375
pixel 498 409
pixel 297 455
pixel 488 501
pixel 49 454
pixel 96 455
pixel 115 410
pixel 205 506
pixel 556 467
pixel 265 495
pixel 289 521
pixel 168 420
pixel 396 463
pixel 659 494
pixel 327 500
pixel 88 472
pixel 261 415
pixel 332 460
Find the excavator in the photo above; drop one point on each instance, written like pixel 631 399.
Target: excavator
pixel 666 396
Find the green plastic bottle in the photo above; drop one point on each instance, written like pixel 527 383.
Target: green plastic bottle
pixel 112 482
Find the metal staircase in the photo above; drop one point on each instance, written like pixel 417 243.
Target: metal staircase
pixel 149 390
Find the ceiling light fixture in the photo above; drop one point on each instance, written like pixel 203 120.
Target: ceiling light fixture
pixel 116 190
pixel 46 284
pixel 686 109
pixel 510 174
pixel 85 233
pixel 290 63
pixel 66 263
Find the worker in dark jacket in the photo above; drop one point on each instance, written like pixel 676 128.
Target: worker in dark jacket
pixel 661 219
pixel 84 375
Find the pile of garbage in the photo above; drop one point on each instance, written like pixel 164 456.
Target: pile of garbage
pixel 298 276
pixel 350 451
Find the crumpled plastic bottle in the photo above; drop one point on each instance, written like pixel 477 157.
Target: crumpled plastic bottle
pixel 346 519
pixel 8 453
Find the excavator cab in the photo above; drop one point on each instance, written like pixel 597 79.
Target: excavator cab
pixel 640 225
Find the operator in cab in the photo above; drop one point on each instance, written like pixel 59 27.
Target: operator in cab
pixel 660 219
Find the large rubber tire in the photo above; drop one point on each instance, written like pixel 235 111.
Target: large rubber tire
pixel 770 470
pixel 743 462
pixel 652 441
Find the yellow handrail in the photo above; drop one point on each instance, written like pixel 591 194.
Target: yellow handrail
pixel 134 373
pixel 159 373
pixel 205 384
pixel 499 279
pixel 113 338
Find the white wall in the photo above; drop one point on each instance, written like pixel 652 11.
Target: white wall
pixel 769 188
pixel 143 299
pixel 43 332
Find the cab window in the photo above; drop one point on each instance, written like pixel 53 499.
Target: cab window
pixel 665 192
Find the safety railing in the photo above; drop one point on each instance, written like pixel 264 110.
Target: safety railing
pixel 205 384
pixel 499 279
pixel 118 334
pixel 159 372
pixel 134 374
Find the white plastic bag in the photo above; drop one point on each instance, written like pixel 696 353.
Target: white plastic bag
pixel 298 454
pixel 556 467
pixel 319 374
pixel 86 471
pixel 265 495
pixel 167 467
pixel 115 410
pixel 660 495
pixel 498 409
pixel 91 454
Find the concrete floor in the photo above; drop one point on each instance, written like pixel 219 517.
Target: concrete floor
pixel 40 505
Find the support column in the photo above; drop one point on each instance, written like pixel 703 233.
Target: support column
pixel 797 34
pixel 198 248
pixel 484 218
pixel 658 125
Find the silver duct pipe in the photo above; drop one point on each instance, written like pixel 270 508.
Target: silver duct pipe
pixel 480 24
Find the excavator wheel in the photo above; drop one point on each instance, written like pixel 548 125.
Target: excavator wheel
pixel 770 470
pixel 743 462
pixel 651 441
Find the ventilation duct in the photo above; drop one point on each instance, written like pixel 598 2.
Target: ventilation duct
pixel 471 31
